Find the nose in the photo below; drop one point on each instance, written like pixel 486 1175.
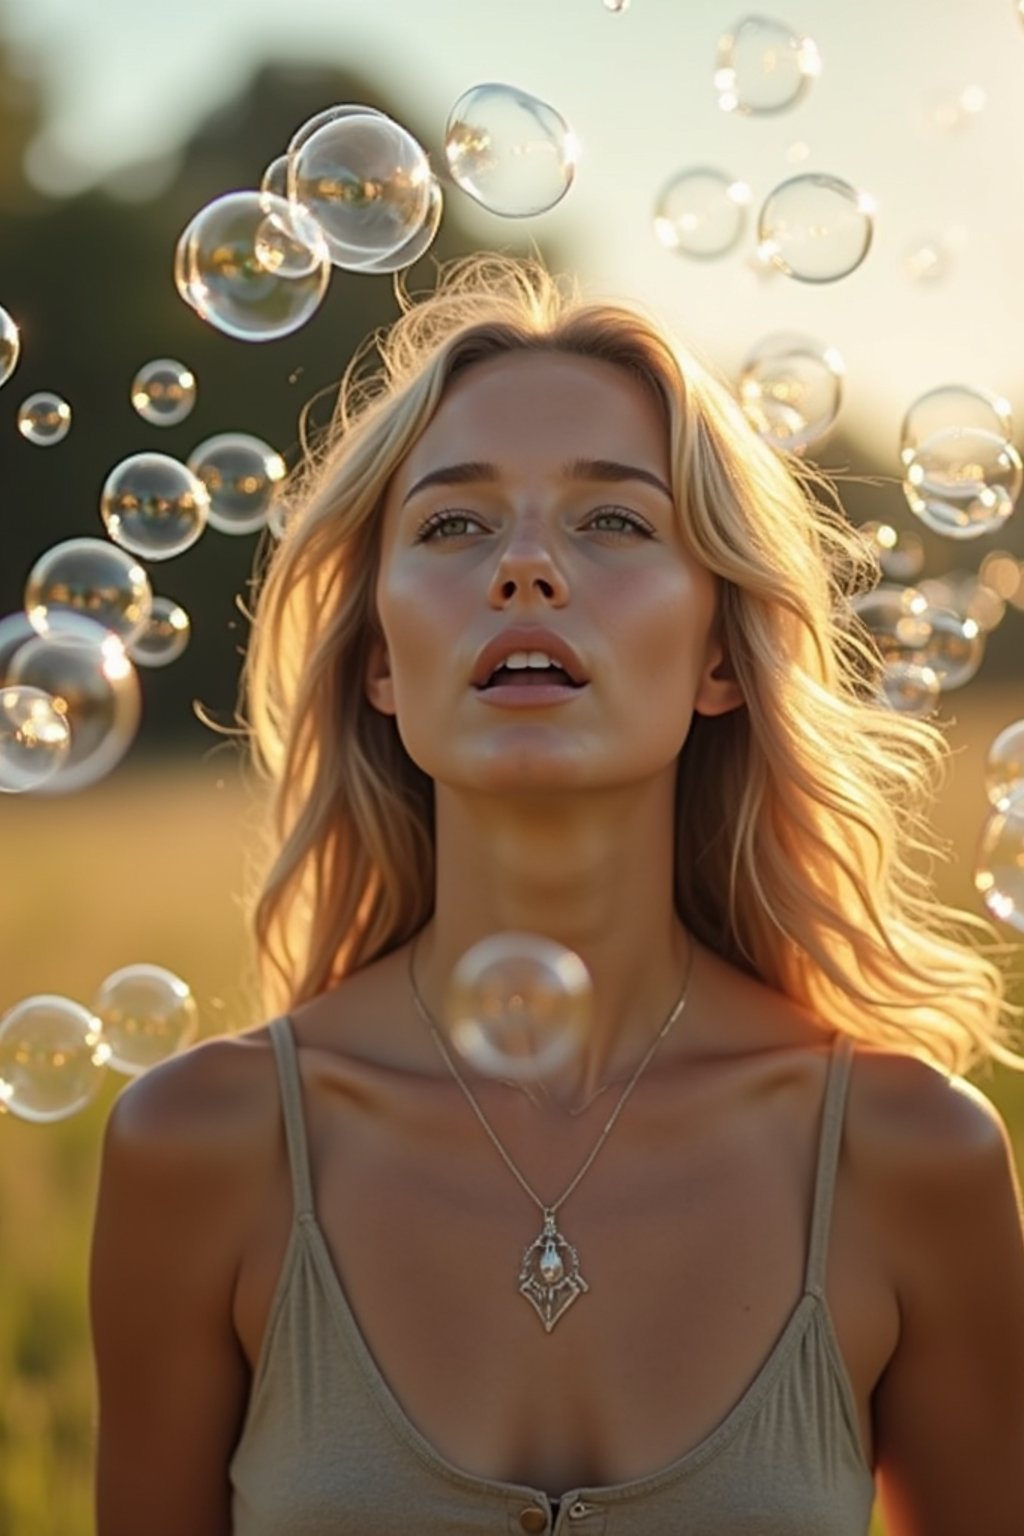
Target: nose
pixel 526 566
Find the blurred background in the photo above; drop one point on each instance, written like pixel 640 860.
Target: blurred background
pixel 119 122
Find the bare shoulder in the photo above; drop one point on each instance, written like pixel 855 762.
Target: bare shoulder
pixel 208 1093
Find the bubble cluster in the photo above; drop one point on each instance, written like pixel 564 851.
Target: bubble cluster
pixel 88 579
pixel 241 475
pixel 34 739
pixel 147 1014
pixel 791 388
pixel 154 506
pixel 511 152
pixel 44 419
pixel 163 392
pixel 815 228
pixel 53 1058
pixel 764 67
pixel 962 481
pixel 701 212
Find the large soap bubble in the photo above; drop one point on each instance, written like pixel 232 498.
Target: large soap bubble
pixel 34 739
pixel 701 212
pixel 511 152
pixel 419 243
pixel 52 1058
pixel 963 482
pixel 954 407
pixel 154 505
pixel 763 67
pixel 241 474
pixel 791 388
pixel 815 228
pixel 91 579
pixel 147 1014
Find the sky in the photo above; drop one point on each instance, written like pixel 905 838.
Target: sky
pixel 886 115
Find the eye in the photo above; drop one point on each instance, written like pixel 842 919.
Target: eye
pixel 631 519
pixel 430 528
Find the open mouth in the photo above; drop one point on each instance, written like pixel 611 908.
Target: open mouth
pixel 530 677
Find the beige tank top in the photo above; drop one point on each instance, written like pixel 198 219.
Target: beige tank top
pixel 327 1450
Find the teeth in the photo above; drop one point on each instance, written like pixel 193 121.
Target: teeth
pixel 520 659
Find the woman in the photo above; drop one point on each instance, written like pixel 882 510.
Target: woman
pixel 795 1275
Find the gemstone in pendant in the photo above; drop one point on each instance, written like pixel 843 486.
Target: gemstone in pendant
pixel 550 1276
pixel 551 1267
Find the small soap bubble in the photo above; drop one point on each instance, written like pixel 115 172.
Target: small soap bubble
pixel 418 243
pixel 147 1014
pixel 34 739
pixel 164 392
pixel 791 389
pixel 154 506
pixel 999 868
pixel 763 67
pixel 1004 766
pixel 964 593
pixel 511 152
pixel 701 212
pixel 927 261
pixel 963 482
pixel 518 1005
pixel 366 182
pixel 954 649
pixel 218 268
pixel 52 1058
pixel 88 579
pixel 815 228
pixel 909 688
pixel 899 553
pixel 952 406
pixel 241 475
pixel 94 686
pixel 164 638
pixel 44 419
pixel 896 618
pixel 10 346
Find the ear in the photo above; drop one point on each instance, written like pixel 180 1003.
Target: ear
pixel 380 690
pixel 718 692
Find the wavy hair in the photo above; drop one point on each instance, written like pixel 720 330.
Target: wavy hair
pixel 803 850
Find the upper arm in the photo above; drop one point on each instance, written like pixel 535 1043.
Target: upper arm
pixel 172 1381
pixel 949 1408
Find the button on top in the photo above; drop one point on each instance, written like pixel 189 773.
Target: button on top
pixel 578 1510
pixel 533 1519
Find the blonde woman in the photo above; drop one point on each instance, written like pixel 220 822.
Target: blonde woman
pixel 344 1282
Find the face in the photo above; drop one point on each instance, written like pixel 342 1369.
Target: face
pixel 539 494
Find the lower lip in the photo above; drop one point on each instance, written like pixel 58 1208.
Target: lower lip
pixel 518 695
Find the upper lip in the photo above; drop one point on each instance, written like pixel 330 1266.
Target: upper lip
pixel 526 638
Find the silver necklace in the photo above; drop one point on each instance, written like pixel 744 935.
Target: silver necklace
pixel 549 1275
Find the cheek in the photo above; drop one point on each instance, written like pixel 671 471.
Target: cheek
pixel 661 628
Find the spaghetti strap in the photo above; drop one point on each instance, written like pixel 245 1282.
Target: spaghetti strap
pixel 291 1106
pixel 829 1141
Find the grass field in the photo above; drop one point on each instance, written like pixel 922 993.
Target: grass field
pixel 149 867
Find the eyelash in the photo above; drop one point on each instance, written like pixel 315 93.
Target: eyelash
pixel 428 529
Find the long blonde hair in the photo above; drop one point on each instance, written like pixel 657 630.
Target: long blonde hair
pixel 802 843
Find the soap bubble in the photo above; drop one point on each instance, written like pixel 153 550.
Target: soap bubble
pixel 950 407
pixel 1004 766
pixel 963 482
pixel 94 686
pixel 275 177
pixel 899 553
pixel 815 228
pixel 44 418
pixel 701 212
pixel 15 631
pixel 927 261
pixel 954 649
pixel 10 346
pixel 91 579
pixel 618 6
pixel 34 739
pixel 154 505
pixel 512 153
pixel 1000 570
pixel 366 182
pixel 763 67
pixel 253 265
pixel 999 868
pixel 897 619
pixel 52 1058
pixel 147 1014
pixel 164 638
pixel 967 595
pixel 164 392
pixel 518 1005
pixel 909 688
pixel 791 389
pixel 418 243
pixel 241 475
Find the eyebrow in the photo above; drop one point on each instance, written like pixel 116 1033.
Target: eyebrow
pixel 607 471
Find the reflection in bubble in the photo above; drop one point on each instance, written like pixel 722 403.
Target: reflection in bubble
pixel 511 152
pixel 52 1058
pixel 147 1014
pixel 900 553
pixel 241 475
pixel 1004 766
pixel 763 67
pixel 954 649
pixel 10 346
pixel 701 212
pixel 154 505
pixel 44 418
pixel 909 688
pixel 164 392
pixel 999 868
pixel 963 482
pixel 815 228
pixel 34 739
pixel 90 579
pixel 164 638
pixel 791 389
pixel 419 243
pixel 954 407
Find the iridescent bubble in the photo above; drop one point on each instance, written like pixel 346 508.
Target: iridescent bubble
pixel 963 482
pixel 518 1005
pixel 366 182
pixel 954 649
pixel 763 67
pixel 91 579
pixel 910 688
pixel 44 418
pixel 815 228
pixel 164 392
pixel 999 869
pixel 511 152
pixel 94 687
pixel 897 619
pixel 34 739
pixel 418 243
pixel 327 115
pixel 899 553
pixel 952 407
pixel 701 212
pixel 1004 766
pixel 52 1058
pixel 164 638
pixel 154 505
pixel 147 1014
pixel 10 346
pixel 241 475
pixel 791 389
pixel 220 273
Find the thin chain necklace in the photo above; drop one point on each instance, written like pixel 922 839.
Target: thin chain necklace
pixel 549 1276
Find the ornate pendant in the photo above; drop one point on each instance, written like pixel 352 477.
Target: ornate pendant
pixel 550 1274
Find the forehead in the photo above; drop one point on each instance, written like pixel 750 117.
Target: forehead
pixel 537 410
